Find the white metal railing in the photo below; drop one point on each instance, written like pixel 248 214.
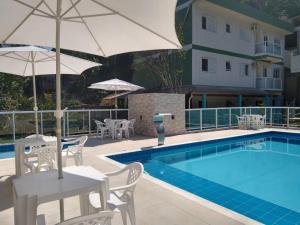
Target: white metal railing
pixel 18 124
pixel 269 83
pixel 268 48
pixel 226 118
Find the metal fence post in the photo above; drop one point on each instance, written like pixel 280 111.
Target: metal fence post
pixel 42 124
pixel 201 119
pixel 229 117
pixel 216 118
pixel 288 117
pixel 110 114
pixel 64 124
pixel 14 126
pixel 271 117
pixel 68 125
pixel 89 121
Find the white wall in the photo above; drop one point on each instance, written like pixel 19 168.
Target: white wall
pixel 222 77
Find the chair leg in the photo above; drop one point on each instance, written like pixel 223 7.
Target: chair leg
pixel 131 213
pixel 124 216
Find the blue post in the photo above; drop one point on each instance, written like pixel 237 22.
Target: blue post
pixel 204 100
pixel 267 100
pixel 240 101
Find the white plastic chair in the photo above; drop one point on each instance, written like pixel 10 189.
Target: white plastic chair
pixel 131 126
pixel 102 128
pixel 241 122
pixel 74 151
pixel 100 218
pixel 122 197
pixel 45 159
pixel 125 128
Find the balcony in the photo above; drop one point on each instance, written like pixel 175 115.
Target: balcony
pixel 269 83
pixel 295 62
pixel 267 51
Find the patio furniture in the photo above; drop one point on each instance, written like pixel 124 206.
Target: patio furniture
pixel 102 128
pixel 33 142
pixel 251 121
pixel 125 128
pixel 33 189
pixel 74 151
pixel 45 159
pixel 131 126
pixel 241 122
pixel 100 218
pixel 122 197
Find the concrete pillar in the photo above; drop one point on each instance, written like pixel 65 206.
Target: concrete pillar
pixel 267 100
pixel 204 100
pixel 240 101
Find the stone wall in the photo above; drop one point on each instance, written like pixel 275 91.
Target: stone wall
pixel 142 107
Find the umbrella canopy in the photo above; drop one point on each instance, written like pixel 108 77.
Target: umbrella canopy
pixel 31 61
pixel 101 27
pixel 19 60
pixel 115 85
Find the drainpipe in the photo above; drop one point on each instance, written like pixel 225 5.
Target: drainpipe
pixel 190 100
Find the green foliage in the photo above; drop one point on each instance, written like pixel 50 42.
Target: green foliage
pixel 277 8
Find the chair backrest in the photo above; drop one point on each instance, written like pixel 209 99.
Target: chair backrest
pixel 46 156
pixel 125 124
pixel 100 218
pixel 132 122
pixel 135 170
pixel 83 140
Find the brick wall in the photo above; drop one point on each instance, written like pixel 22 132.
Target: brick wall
pixel 142 107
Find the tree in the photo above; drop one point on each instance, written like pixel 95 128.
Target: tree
pixel 167 65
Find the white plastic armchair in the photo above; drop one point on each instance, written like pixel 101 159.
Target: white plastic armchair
pixel 45 159
pixel 122 197
pixel 131 126
pixel 102 128
pixel 100 218
pixel 242 123
pixel 74 151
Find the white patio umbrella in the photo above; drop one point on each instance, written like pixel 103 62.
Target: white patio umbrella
pixel 32 61
pixel 115 85
pixel 102 27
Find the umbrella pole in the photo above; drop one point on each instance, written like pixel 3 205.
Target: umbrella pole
pixel 116 105
pixel 58 113
pixel 35 108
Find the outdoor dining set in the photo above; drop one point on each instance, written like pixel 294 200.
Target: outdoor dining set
pixel 254 122
pixel 37 183
pixel 115 128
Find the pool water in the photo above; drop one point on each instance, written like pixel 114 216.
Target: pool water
pixel 255 175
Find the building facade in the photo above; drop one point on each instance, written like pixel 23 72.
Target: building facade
pixel 234 54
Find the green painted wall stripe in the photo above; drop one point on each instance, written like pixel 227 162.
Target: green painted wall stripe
pixel 233 54
pixel 253 13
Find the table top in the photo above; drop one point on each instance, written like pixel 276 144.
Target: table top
pixel 47 186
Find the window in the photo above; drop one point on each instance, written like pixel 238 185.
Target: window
pixel 244 69
pixel 228 65
pixel 228 28
pixel 245 34
pixel 265 72
pixel 266 40
pixel 203 22
pixel 209 65
pixel 209 23
pixel 276 73
pixel 205 65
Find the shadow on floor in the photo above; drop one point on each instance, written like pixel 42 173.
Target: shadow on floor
pixel 6 192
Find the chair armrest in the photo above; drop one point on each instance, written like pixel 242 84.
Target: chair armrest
pixel 114 173
pixel 123 188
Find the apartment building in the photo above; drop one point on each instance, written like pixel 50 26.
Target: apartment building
pixel 292 63
pixel 235 54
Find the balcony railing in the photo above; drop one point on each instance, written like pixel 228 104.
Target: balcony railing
pixel 226 118
pixel 19 124
pixel 269 83
pixel 268 48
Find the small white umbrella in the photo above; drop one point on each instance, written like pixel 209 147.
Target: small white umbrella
pixel 32 61
pixel 115 85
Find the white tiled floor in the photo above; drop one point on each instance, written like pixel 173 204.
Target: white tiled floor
pixel 156 203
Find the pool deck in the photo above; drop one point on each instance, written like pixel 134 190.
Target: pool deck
pixel 157 203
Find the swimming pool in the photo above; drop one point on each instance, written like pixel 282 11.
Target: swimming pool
pixel 255 175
